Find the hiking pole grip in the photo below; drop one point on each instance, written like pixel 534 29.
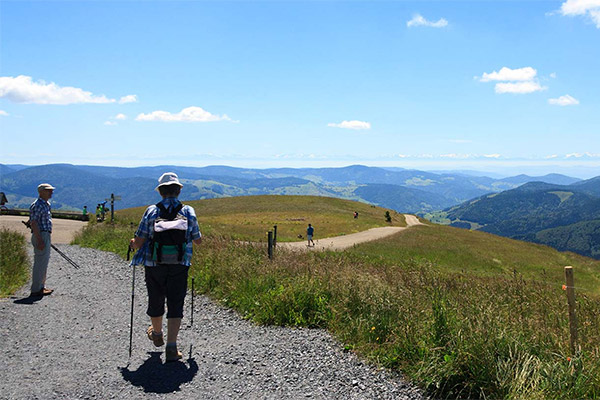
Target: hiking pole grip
pixel 129 252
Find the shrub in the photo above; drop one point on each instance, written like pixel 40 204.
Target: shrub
pixel 14 264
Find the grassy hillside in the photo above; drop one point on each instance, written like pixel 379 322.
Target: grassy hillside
pixel 442 305
pixel 451 250
pixel 250 217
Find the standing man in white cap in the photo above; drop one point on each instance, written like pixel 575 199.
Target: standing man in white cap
pixel 165 236
pixel 40 219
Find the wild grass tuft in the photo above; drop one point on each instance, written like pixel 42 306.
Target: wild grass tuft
pixel 14 263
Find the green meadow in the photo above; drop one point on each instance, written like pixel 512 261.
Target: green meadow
pixel 463 314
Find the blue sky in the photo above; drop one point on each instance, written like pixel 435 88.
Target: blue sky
pixel 492 85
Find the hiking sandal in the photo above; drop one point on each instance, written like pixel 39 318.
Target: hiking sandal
pixel 172 354
pixel 157 339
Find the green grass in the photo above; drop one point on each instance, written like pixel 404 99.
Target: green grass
pixel 482 254
pixel 443 305
pixel 14 264
pixel 250 217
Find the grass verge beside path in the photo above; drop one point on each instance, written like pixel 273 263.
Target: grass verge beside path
pixel 14 263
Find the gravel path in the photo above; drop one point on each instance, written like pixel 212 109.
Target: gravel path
pixel 74 345
pixel 346 241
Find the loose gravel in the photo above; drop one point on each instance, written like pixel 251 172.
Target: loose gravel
pixel 74 345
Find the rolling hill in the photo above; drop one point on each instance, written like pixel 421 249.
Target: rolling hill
pixel 564 216
pixel 402 190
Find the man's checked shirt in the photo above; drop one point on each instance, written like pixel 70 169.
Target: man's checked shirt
pixel 146 231
pixel 39 211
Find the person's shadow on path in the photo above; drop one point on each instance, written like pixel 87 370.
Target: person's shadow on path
pixel 28 300
pixel 156 377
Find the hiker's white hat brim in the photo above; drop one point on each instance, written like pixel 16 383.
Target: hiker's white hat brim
pixel 45 186
pixel 168 178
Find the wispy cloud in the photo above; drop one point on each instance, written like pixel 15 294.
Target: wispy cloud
pixel 507 74
pixel 419 20
pixel 132 98
pixel 519 87
pixel 110 123
pixel 356 125
pixel 565 100
pixel 4 113
pixel 189 114
pixel 519 80
pixel 120 116
pixel 22 89
pixel 587 8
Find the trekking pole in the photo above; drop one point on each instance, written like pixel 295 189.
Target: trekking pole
pixel 63 255
pixel 132 302
pixel 192 312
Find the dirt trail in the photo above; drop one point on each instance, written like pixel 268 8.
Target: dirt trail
pixel 63 230
pixel 344 242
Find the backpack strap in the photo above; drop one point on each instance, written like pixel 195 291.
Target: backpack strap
pixel 165 214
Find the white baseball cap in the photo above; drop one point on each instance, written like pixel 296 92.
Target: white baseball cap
pixel 168 178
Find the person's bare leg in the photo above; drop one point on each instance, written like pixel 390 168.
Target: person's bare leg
pixel 173 325
pixel 157 324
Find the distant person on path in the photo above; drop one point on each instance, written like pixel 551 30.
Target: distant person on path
pixel 309 234
pixel 355 214
pixel 165 236
pixel 40 219
pixel 84 212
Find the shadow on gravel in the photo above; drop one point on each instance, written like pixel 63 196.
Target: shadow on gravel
pixel 156 377
pixel 28 300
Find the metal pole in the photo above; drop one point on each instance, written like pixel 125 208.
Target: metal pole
pixel 131 318
pixel 192 311
pixel 63 255
pixel 274 235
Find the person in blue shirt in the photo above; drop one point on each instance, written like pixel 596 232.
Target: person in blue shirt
pixel 40 220
pixel 166 281
pixel 309 234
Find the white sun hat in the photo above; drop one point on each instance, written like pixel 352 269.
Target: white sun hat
pixel 168 178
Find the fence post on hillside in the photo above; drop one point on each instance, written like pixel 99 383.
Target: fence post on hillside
pixel 270 246
pixel 570 287
pixel 274 235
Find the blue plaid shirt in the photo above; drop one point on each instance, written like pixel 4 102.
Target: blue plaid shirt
pixel 39 211
pixel 146 231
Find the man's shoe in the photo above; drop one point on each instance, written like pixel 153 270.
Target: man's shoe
pixel 157 339
pixel 43 292
pixel 172 354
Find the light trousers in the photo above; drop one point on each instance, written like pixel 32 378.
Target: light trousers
pixel 40 262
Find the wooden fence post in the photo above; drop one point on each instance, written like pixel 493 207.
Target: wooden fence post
pixel 274 235
pixel 572 316
pixel 270 247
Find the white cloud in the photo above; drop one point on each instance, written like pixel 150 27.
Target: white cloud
pixel 357 125
pixel 131 98
pixel 110 123
pixel 519 88
pixel 189 114
pixel 120 116
pixel 589 8
pixel 22 89
pixel 553 75
pixel 565 100
pixel 4 113
pixel 551 156
pixel 418 20
pixel 492 155
pixel 507 74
